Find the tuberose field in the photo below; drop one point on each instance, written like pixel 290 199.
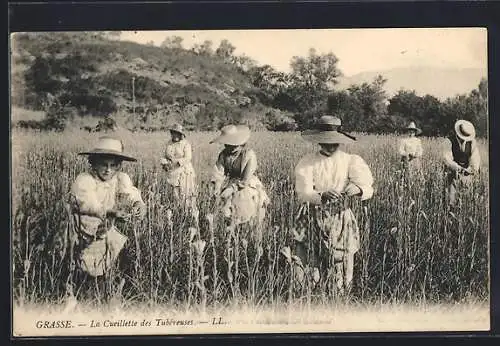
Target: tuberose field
pixel 415 251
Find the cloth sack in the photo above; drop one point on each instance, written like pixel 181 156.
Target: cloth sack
pixel 100 254
pixel 242 205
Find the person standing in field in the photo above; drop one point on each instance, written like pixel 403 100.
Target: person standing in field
pixel 326 181
pixel 462 161
pixel 100 199
pixel 240 193
pixel 410 149
pixel 180 171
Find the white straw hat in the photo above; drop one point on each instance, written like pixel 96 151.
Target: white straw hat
pixel 233 135
pixel 109 146
pixel 465 130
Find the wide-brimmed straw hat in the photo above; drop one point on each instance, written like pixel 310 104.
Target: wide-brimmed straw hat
pixel 413 127
pixel 233 135
pixel 327 131
pixel 465 130
pixel 109 146
pixel 177 128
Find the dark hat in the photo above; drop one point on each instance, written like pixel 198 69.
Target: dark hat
pixel 326 131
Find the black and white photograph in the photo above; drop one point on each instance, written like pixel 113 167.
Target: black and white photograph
pixel 249 181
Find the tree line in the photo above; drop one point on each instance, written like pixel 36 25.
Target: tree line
pixel 279 101
pixel 308 91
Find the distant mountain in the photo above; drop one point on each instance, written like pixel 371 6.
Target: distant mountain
pixel 439 82
pixel 75 76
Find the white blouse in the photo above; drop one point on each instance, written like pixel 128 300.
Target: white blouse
pixel 96 197
pixel 180 152
pixel 317 173
pixel 411 146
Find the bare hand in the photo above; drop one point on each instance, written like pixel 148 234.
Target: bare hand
pixel 352 190
pixel 226 193
pixel 468 171
pixel 138 209
pixel 173 161
pixel 330 196
pixel 116 214
pixel 167 161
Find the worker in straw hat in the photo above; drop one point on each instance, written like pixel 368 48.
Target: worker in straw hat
pixel 176 161
pixel 100 197
pixel 462 160
pixel 240 192
pixel 326 181
pixel 410 148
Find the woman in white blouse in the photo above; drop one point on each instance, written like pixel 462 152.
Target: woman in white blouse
pixel 241 194
pixel 99 197
pixel 410 148
pixel 180 171
pixel 325 181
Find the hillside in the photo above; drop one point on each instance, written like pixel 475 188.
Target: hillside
pixel 141 83
pixel 87 79
pixel 439 82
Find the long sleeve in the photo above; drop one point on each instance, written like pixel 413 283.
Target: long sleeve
pixel 84 191
pixel 250 165
pixel 126 187
pixel 360 175
pixel 133 194
pixel 402 148
pixel 304 184
pixel 419 149
pixel 187 154
pixel 168 155
pixel 218 170
pixel 449 162
pixel 410 146
pixel 475 160
pixel 217 175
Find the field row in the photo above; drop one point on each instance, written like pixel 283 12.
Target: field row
pixel 414 249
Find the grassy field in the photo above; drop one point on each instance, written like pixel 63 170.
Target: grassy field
pixel 415 252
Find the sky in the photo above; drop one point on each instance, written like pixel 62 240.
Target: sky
pixel 358 50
